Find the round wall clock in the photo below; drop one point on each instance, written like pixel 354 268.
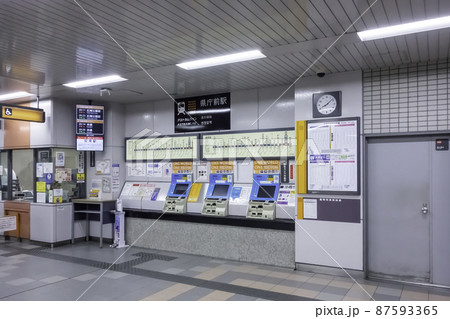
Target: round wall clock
pixel 327 104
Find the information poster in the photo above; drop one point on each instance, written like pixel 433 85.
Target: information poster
pixel 333 156
pixel 256 145
pixel 103 167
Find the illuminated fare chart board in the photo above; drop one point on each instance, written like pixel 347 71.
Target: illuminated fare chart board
pixel 162 148
pixel 333 156
pixel 266 144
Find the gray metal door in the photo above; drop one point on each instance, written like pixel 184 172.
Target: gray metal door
pixel 440 216
pixel 398 223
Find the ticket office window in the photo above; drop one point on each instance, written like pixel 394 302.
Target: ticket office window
pixel 60 175
pixel 22 175
pixel 4 164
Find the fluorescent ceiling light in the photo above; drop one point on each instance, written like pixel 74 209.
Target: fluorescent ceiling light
pixel 407 28
pixel 96 81
pixel 223 59
pixel 14 95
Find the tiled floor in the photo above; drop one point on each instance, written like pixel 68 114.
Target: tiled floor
pixel 84 272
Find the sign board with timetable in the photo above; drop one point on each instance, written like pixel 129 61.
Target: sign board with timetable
pixel 333 156
pixel 90 127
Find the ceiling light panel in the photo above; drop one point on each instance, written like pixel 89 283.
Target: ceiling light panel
pixel 96 81
pixel 223 59
pixel 14 95
pixel 407 28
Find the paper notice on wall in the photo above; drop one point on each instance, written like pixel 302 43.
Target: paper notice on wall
pixel 40 197
pixel 106 185
pixel 63 174
pixel 60 159
pixel 40 187
pixel 115 184
pixel 39 170
pixel 115 170
pixel 8 223
pixel 310 208
pixel 103 167
pixel 80 162
pixel 48 168
pixel 58 192
pixel 136 169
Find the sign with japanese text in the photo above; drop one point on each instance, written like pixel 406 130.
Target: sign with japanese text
pixel 203 113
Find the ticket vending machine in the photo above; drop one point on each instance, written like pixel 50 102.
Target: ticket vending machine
pixel 263 196
pixel 178 193
pixel 216 199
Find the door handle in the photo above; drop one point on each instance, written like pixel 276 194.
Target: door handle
pixel 424 208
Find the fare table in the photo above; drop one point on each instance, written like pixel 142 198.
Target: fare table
pixel 93 209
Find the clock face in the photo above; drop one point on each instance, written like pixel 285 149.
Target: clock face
pixel 326 104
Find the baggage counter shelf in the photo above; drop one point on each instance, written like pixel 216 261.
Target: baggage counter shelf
pixel 230 220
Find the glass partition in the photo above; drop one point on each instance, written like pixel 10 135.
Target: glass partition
pixel 22 175
pixel 4 174
pixel 60 175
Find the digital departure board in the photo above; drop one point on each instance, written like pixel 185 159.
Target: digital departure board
pixel 90 127
pixel 256 145
pixel 162 148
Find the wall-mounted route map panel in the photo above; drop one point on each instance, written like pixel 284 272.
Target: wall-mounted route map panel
pixel 255 145
pixel 162 148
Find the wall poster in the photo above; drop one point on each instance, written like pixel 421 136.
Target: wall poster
pixel 333 156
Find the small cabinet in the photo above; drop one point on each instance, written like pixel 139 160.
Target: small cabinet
pixel 50 223
pixel 22 212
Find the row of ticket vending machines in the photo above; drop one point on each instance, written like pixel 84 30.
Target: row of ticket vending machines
pixel 264 198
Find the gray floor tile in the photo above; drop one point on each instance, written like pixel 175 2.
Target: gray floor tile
pixel 173 271
pixel 381 297
pixel 85 277
pixel 193 294
pixel 310 286
pixel 53 279
pixel 239 297
pixel 200 268
pixel 335 290
pixel 329 297
pixel 20 281
pixel 396 292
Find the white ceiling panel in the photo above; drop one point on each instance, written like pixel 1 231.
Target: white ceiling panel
pixel 59 41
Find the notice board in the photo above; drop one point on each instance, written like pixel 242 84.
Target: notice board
pixel 261 144
pixel 333 156
pixel 181 147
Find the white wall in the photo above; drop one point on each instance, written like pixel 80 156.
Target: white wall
pixel 327 243
pixel 114 150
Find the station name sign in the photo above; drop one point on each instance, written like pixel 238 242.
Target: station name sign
pixel 22 113
pixel 203 113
